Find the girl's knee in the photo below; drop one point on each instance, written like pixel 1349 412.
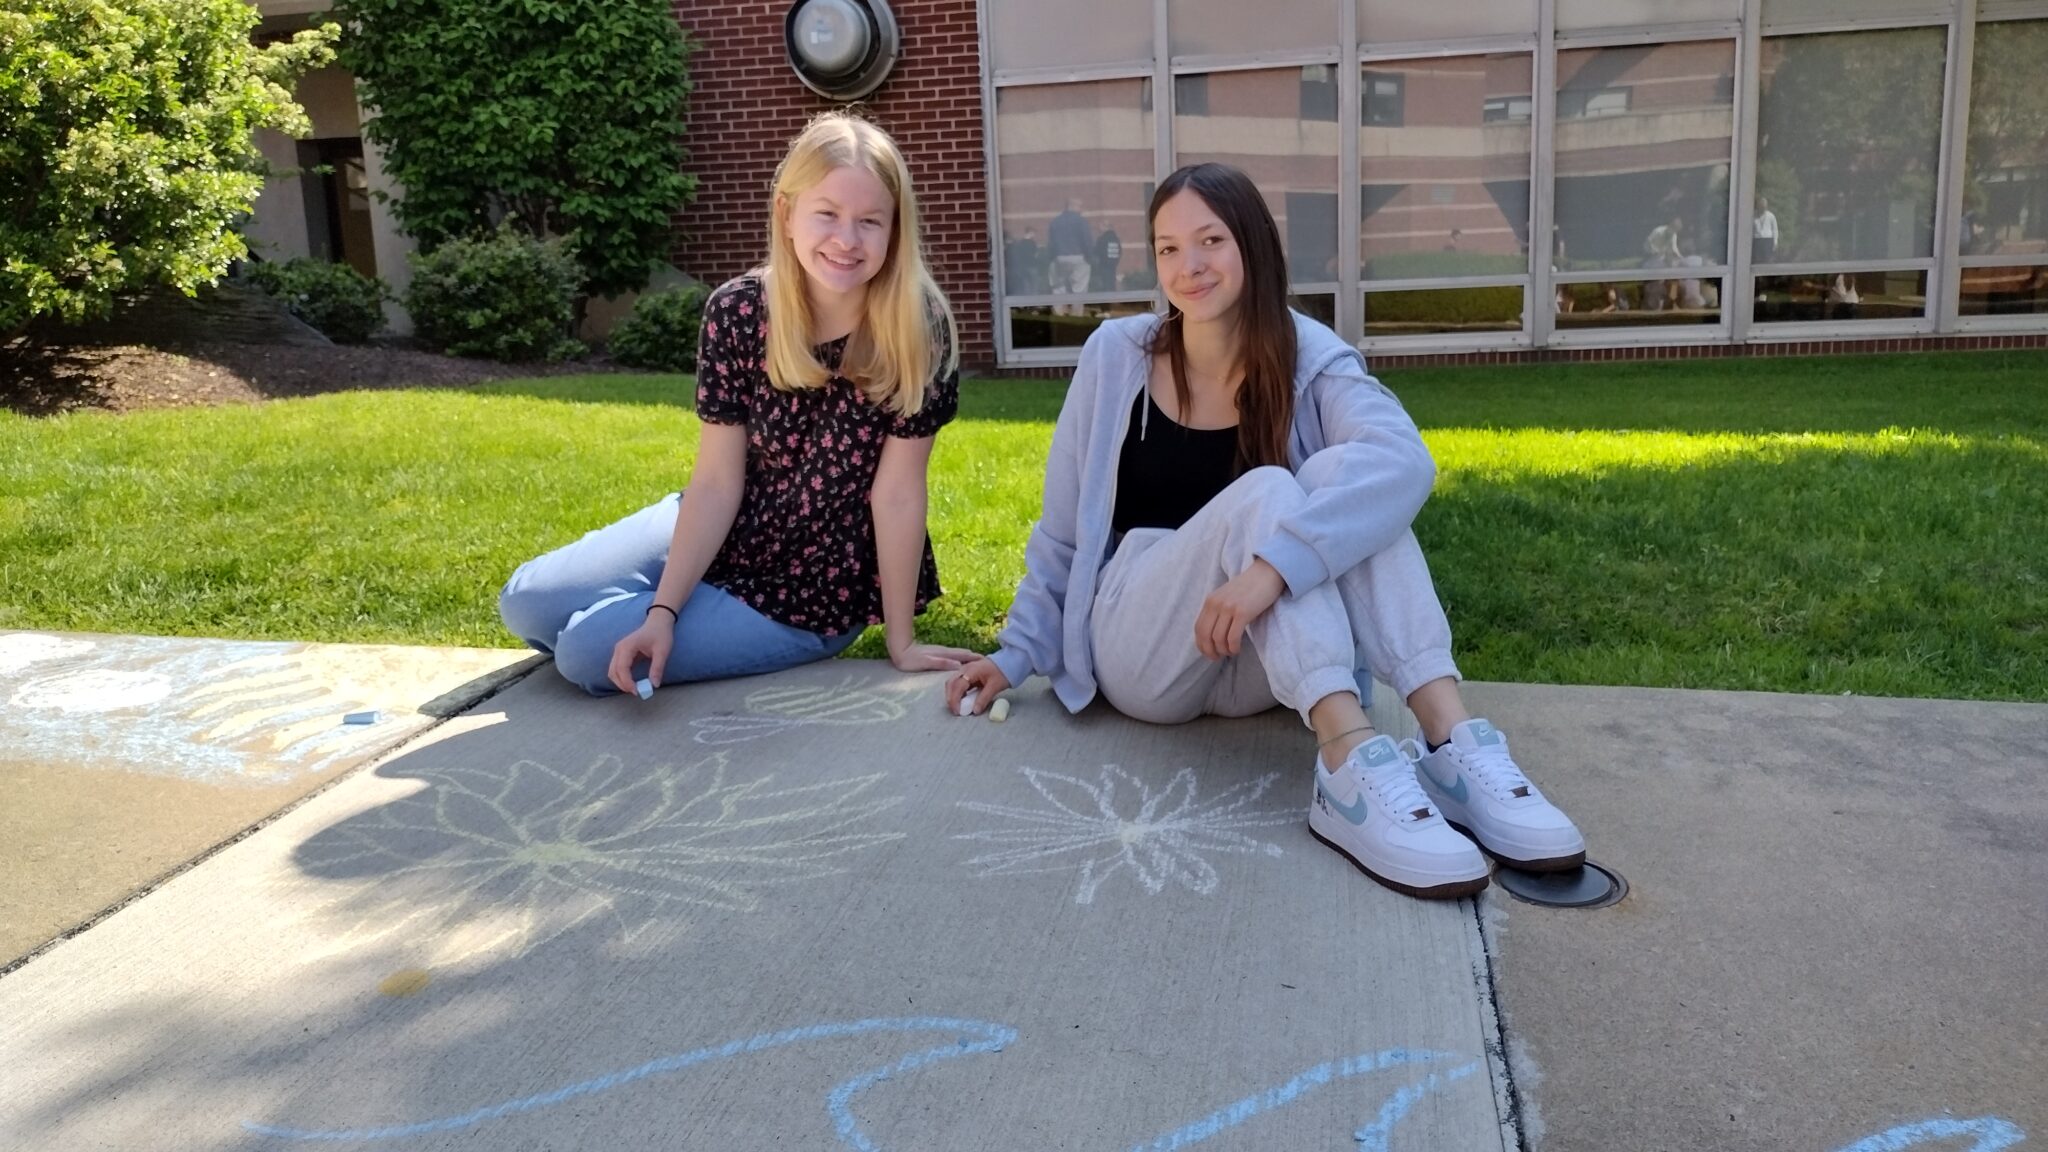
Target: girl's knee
pixel 524 614
pixel 1270 479
pixel 584 659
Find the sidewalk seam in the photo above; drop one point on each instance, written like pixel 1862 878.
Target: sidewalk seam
pixel 1500 1063
pixel 173 873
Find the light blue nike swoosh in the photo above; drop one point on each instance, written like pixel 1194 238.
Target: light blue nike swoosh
pixel 1355 812
pixel 1459 793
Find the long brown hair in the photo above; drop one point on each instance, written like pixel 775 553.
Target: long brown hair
pixel 1265 401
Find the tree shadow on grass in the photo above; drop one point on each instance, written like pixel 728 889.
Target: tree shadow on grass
pixel 1009 401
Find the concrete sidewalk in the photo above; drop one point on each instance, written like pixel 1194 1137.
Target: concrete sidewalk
pixel 792 912
pixel 814 911
pixel 123 757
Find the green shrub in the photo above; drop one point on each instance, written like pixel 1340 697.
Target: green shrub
pixel 505 296
pixel 564 117
pixel 1442 309
pixel 1426 265
pixel 662 331
pixel 126 145
pixel 346 306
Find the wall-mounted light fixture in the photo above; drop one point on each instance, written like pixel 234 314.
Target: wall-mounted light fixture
pixel 841 49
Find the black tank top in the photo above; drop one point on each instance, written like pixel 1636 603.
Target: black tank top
pixel 1166 475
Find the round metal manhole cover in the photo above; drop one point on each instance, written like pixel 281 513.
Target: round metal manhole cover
pixel 1590 885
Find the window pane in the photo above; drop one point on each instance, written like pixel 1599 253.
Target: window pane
pixel 1269 124
pixel 1218 27
pixel 1064 325
pixel 1573 15
pixel 1443 156
pixel 1321 306
pixel 1402 21
pixel 1645 136
pixel 1038 33
pixel 1850 173
pixel 1841 296
pixel 2005 291
pixel 2005 191
pixel 1638 303
pixel 1491 309
pixel 1779 13
pixel 1074 164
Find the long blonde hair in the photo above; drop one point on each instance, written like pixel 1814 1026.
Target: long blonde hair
pixel 907 335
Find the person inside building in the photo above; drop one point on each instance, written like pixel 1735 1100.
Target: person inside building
pixel 1763 243
pixel 822 378
pixel 1023 265
pixel 1068 240
pixel 1226 527
pixel 1662 250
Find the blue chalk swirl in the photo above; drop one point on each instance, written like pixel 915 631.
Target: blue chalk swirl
pixel 1992 1135
pixel 971 1037
pixel 974 1037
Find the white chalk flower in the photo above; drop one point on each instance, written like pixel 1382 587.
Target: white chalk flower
pixel 506 859
pixel 1118 822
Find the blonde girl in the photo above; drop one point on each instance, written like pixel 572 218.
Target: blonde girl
pixel 822 378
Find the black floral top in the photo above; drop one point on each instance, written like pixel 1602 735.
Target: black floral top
pixel 802 547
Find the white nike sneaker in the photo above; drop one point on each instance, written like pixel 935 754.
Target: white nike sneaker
pixel 1372 810
pixel 1482 793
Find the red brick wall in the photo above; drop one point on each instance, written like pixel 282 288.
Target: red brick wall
pixel 746 104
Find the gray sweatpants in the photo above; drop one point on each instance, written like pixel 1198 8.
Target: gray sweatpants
pixel 1305 648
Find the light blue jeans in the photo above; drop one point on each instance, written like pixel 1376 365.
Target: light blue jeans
pixel 580 600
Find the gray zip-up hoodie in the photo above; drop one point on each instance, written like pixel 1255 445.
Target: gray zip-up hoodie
pixel 1371 474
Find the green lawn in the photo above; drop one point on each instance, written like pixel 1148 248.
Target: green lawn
pixel 1868 524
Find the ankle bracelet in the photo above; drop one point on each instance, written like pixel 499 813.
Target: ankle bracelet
pixel 1341 735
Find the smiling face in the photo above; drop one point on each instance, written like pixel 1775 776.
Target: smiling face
pixel 1200 264
pixel 841 228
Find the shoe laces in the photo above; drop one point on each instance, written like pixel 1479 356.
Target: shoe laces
pixel 1492 766
pixel 1397 789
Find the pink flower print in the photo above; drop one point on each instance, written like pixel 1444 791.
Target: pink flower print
pixel 817 483
pixel 746 309
pixel 845 595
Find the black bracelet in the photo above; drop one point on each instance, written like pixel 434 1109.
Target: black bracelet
pixel 665 608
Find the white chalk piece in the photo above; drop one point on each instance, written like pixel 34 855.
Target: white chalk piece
pixel 1000 710
pixel 644 687
pixel 370 717
pixel 967 703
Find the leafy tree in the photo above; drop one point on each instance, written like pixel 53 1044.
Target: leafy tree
pixel 2008 106
pixel 563 117
pixel 125 145
pixel 1858 115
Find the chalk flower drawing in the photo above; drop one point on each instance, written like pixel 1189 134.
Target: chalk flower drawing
pixel 785 706
pixel 504 860
pixel 1118 822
